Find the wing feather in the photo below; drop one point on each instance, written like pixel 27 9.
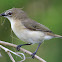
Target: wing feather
pixel 35 26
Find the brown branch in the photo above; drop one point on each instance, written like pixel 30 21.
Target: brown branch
pixel 24 50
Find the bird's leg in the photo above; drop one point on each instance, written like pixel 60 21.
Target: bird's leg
pixel 18 47
pixel 36 50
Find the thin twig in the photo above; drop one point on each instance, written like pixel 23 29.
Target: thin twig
pixel 11 56
pixel 23 56
pixel 9 53
pixel 24 50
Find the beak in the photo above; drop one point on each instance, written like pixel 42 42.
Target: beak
pixel 3 14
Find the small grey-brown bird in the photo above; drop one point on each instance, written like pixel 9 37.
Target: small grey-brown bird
pixel 27 29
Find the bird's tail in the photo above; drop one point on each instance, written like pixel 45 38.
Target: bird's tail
pixel 57 36
pixel 54 35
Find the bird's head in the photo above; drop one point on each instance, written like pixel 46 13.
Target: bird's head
pixel 14 13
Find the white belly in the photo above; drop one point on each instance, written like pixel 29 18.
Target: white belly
pixel 30 36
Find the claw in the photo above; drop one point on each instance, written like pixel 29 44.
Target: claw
pixel 33 55
pixel 18 47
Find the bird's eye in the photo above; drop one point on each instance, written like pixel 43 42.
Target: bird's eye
pixel 9 13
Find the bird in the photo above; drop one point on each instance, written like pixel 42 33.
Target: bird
pixel 27 29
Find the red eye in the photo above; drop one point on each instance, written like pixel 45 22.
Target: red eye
pixel 9 13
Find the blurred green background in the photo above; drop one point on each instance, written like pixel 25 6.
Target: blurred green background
pixel 47 12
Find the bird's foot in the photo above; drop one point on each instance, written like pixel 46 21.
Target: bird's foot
pixel 33 55
pixel 18 47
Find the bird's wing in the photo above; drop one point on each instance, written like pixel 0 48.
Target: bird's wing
pixel 35 26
